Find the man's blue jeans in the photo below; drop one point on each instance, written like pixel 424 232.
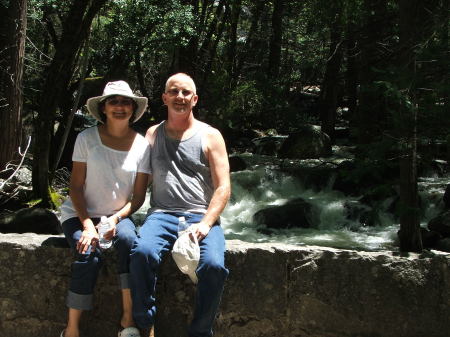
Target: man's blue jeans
pixel 156 237
pixel 86 266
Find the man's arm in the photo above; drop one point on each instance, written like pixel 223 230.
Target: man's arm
pixel 217 156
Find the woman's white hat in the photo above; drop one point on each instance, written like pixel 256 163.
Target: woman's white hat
pixel 112 89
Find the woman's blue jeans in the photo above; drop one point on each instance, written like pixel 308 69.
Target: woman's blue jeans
pixel 156 237
pixel 85 268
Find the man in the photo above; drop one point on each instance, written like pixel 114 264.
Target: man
pixel 190 178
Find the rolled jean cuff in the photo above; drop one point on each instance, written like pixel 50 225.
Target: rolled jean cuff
pixel 78 301
pixel 124 280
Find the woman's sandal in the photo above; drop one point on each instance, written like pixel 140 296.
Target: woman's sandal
pixel 129 332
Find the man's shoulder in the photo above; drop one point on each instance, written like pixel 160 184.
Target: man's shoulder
pixel 211 134
pixel 208 129
pixel 153 128
pixel 151 132
pixel 212 141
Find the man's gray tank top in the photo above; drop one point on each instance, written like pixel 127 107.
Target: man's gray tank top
pixel 181 174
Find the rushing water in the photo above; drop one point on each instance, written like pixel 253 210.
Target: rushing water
pixel 261 186
pixel 256 189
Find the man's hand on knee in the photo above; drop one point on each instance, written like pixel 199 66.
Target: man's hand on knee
pixel 200 229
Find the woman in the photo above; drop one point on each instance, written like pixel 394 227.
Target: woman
pixel 109 178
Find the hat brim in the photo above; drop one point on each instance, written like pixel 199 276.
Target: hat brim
pixel 93 102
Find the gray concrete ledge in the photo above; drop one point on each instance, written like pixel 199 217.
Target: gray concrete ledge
pixel 273 290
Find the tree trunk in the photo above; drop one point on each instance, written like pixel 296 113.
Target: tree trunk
pixel 12 50
pixel 444 59
pixel 231 59
pixel 186 56
pixel 57 77
pixel 371 110
pixel 330 85
pixel 212 49
pixel 140 74
pixel 205 50
pixel 119 66
pixel 409 235
pixel 73 110
pixel 411 13
pixel 351 75
pixel 276 39
pixel 251 36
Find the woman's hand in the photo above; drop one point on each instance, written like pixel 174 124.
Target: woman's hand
pixel 112 220
pixel 89 237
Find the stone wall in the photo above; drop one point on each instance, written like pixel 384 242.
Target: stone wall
pixel 273 290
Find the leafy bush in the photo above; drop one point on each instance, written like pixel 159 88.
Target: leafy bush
pixel 245 106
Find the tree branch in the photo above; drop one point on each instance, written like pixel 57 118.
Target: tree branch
pixel 18 166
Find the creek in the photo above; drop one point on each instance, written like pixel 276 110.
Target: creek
pixel 263 184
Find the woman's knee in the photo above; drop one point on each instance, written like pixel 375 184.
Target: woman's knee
pixel 87 264
pixel 72 230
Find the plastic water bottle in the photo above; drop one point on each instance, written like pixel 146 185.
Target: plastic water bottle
pixel 183 225
pixel 103 227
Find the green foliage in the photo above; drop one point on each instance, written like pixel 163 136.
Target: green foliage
pixel 129 27
pixel 159 31
pixel 396 101
pixel 167 36
pixel 245 106
pixel 33 202
pixel 56 198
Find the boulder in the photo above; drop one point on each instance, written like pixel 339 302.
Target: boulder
pixel 30 220
pixel 443 245
pixel 365 215
pixel 238 140
pixel 441 224
pixel 16 190
pixel 268 145
pixel 431 167
pixel 356 178
pixel 430 239
pixel 237 164
pixel 342 133
pixel 311 177
pixel 295 213
pixel 306 143
pixel 446 198
pixel 23 176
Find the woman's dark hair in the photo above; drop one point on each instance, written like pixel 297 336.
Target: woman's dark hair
pixel 101 107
